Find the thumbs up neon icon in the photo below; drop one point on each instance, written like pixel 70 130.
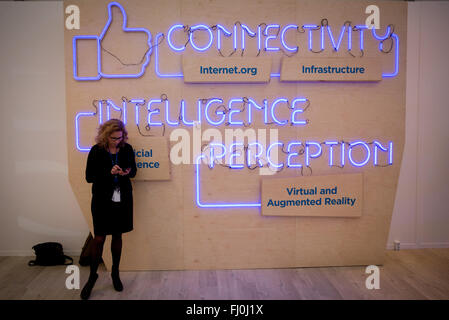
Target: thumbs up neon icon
pixel 100 74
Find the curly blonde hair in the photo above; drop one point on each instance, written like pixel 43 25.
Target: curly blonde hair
pixel 109 127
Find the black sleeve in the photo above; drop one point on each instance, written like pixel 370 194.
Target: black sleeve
pixel 95 171
pixel 131 159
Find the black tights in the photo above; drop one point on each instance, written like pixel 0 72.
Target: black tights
pixel 97 252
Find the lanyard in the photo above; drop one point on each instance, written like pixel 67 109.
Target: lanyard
pixel 116 158
pixel 113 164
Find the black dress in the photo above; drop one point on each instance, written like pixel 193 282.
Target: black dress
pixel 111 217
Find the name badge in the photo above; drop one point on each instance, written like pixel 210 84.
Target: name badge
pixel 116 195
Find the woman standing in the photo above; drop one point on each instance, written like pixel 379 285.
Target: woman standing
pixel 110 165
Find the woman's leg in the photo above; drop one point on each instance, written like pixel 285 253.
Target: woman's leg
pixel 96 253
pixel 95 258
pixel 116 250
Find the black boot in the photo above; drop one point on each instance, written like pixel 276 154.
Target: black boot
pixel 118 286
pixel 85 293
pixel 116 250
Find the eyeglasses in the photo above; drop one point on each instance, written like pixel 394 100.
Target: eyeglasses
pixel 115 139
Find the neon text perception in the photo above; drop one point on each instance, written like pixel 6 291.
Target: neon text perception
pixel 299 153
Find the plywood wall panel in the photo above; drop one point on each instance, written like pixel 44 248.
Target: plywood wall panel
pixel 171 231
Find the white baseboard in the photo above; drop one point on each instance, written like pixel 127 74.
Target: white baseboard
pixel 424 245
pixel 434 245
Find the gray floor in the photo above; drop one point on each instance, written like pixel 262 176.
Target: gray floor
pixel 406 274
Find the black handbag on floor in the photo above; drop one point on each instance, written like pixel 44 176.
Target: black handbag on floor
pixel 49 254
pixel 86 251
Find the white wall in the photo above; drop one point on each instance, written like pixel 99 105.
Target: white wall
pixel 421 215
pixel 36 200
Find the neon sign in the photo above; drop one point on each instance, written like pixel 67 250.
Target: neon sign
pixel 100 74
pixel 216 112
pixel 232 114
pixel 309 154
pixel 265 41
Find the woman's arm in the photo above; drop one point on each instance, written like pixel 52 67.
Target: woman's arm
pixel 132 162
pixel 91 166
pixel 95 172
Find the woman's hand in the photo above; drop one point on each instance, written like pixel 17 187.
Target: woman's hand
pixel 116 170
pixel 125 172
